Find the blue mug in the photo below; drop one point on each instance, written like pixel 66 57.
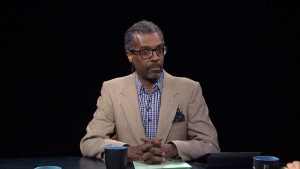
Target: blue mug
pixel 48 167
pixel 266 162
pixel 115 157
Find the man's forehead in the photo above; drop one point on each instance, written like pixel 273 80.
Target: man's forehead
pixel 149 39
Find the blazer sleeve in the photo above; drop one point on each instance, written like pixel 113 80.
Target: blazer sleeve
pixel 202 135
pixel 100 128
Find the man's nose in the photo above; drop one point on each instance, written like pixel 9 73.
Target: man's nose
pixel 154 55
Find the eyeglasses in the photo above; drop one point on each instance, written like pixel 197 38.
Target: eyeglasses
pixel 147 53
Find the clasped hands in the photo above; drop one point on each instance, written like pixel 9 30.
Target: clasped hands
pixel 152 151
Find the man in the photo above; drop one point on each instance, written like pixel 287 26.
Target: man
pixel 157 115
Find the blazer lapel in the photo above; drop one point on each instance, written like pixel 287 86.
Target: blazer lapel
pixel 168 108
pixel 129 103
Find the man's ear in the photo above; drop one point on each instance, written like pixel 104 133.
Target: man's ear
pixel 129 56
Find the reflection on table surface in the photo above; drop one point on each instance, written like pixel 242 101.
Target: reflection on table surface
pixel 66 162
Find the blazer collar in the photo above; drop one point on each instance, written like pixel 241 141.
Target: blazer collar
pixel 168 107
pixel 130 105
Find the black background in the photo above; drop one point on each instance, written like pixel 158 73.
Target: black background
pixel 56 54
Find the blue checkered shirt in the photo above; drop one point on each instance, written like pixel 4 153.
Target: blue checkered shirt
pixel 150 105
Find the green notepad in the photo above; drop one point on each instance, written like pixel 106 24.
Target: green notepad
pixel 167 164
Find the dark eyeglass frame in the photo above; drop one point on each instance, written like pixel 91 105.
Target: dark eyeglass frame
pixel 149 52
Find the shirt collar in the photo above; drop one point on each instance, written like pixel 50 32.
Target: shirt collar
pixel 159 83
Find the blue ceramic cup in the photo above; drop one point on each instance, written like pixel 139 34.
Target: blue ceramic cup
pixel 48 167
pixel 115 157
pixel 266 162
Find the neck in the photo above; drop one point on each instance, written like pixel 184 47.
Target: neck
pixel 148 84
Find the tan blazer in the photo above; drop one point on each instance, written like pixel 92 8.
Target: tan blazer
pixel 118 112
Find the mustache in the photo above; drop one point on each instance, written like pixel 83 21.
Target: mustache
pixel 155 65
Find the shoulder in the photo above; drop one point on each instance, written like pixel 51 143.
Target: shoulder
pixel 183 85
pixel 181 81
pixel 185 81
pixel 118 81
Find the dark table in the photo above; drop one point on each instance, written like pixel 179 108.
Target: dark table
pixel 66 162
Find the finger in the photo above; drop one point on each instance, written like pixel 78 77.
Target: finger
pixel 155 160
pixel 157 142
pixel 290 165
pixel 138 158
pixel 146 157
pixel 135 150
pixel 158 139
pixel 148 161
pixel 146 147
pixel 134 157
pixel 296 163
pixel 157 152
pixel 146 140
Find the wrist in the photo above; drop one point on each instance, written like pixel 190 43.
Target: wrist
pixel 171 151
pixel 174 150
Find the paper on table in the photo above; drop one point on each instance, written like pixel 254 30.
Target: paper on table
pixel 167 164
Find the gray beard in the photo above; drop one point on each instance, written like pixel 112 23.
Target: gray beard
pixel 153 76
